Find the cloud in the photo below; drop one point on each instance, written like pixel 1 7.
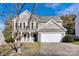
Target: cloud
pixel 52 5
pixel 59 8
pixel 73 9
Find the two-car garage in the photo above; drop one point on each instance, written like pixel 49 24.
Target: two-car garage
pixel 51 37
pixel 51 32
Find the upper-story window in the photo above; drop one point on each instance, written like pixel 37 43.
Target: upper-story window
pixel 24 25
pixel 37 25
pixel 20 25
pixel 16 25
pixel 34 25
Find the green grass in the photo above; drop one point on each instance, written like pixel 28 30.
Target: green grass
pixel 75 42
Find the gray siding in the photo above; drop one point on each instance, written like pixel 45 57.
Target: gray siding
pixel 77 26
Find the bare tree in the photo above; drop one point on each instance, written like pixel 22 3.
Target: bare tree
pixel 17 8
pixel 33 9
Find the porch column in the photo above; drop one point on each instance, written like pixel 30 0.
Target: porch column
pixel 39 37
pixel 15 41
pixel 30 37
pixel 21 33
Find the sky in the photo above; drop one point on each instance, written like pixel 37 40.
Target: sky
pixel 42 9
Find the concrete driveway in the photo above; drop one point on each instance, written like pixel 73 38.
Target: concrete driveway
pixel 59 49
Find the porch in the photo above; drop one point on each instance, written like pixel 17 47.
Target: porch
pixel 29 37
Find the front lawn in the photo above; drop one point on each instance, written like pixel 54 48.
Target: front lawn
pixel 75 42
pixel 26 48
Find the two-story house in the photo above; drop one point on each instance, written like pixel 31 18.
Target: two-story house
pixel 40 28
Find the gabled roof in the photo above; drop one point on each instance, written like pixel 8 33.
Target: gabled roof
pixel 47 18
pixel 22 16
pixel 52 25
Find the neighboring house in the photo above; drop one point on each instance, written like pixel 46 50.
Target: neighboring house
pixel 77 26
pixel 40 29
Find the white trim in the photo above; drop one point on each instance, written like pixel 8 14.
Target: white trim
pixel 43 26
pixel 53 22
pixel 32 15
pixel 23 13
pixel 59 25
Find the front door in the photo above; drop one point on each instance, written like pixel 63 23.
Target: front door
pixel 35 36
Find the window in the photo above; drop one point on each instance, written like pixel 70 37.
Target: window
pixel 24 25
pixel 36 25
pixel 20 25
pixel 32 25
pixel 16 25
pixel 28 26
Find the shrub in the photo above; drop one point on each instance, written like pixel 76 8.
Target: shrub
pixel 76 38
pixel 8 31
pixel 9 39
pixel 68 38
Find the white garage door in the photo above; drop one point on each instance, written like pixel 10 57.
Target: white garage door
pixel 50 37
